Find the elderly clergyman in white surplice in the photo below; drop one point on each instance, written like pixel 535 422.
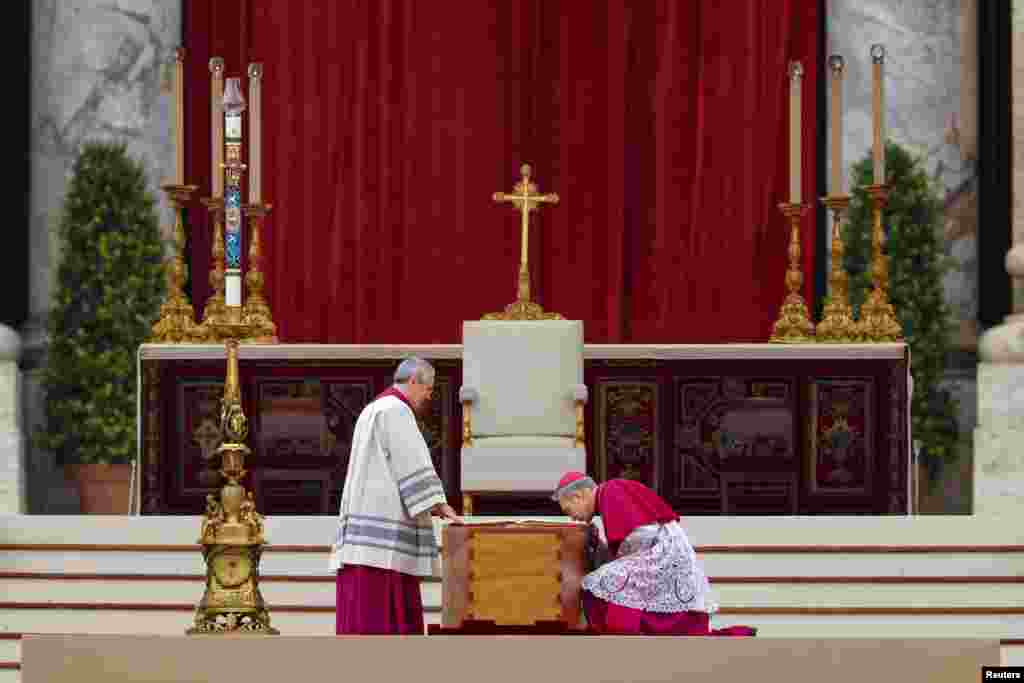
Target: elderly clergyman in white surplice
pixel 385 540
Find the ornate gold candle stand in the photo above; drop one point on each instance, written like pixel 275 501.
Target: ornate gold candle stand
pixel 177 317
pixel 837 324
pixel 213 313
pixel 878 322
pixel 232 531
pixel 257 315
pixel 794 324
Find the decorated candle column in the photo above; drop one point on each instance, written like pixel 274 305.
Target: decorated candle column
pixel 234 105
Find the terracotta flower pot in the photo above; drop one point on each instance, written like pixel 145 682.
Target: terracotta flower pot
pixel 102 489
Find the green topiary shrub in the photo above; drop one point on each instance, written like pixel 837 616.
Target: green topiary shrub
pixel 110 285
pixel 916 266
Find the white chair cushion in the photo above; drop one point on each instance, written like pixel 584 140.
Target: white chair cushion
pixel 511 465
pixel 525 374
pixel 525 442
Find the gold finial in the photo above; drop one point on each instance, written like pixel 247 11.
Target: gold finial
pixel 526 198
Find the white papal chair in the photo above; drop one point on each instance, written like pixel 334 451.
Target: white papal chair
pixel 522 400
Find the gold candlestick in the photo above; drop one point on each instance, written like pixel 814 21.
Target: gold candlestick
pixel 232 531
pixel 257 313
pixel 177 318
pixel 837 324
pixel 214 313
pixel 878 322
pixel 794 324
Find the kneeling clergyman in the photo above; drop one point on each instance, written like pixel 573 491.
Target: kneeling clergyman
pixel 385 541
pixel 649 580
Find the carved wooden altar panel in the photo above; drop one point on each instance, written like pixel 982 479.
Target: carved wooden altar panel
pixel 736 444
pixel 627 443
pixel 512 574
pixel 301 425
pixel 711 436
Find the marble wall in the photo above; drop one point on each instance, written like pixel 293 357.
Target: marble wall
pixel 99 72
pixel 931 93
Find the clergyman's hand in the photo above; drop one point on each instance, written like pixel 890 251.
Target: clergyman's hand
pixel 445 511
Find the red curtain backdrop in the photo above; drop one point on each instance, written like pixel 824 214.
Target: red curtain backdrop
pixel 389 124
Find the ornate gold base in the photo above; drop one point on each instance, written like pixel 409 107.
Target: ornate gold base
pixel 235 323
pixel 837 325
pixel 878 322
pixel 794 325
pixel 176 324
pixel 523 310
pixel 232 623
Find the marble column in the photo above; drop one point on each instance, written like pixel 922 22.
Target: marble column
pixel 99 72
pixel 999 438
pixel 12 445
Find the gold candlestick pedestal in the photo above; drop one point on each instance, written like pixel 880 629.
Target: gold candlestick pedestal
pixel 214 313
pixel 794 324
pixel 837 324
pixel 257 315
pixel 177 322
pixel 878 322
pixel 232 531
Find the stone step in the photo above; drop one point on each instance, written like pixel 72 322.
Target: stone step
pixel 805 561
pixel 909 592
pixel 936 622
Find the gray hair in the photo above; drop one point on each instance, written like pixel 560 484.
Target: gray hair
pixel 414 367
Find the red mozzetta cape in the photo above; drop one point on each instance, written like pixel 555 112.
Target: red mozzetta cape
pixel 625 505
pixel 392 391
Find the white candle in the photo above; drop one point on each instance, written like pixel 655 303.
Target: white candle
pixel 217 126
pixel 179 116
pixel 796 72
pixel 878 102
pixel 255 139
pixel 835 63
pixel 233 287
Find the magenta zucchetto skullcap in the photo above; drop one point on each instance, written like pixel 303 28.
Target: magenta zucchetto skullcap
pixel 572 481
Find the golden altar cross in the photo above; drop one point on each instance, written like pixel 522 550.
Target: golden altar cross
pixel 525 198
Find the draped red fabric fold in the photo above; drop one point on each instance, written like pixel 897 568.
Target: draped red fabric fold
pixel 388 125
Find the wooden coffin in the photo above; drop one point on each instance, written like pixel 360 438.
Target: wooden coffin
pixel 513 574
